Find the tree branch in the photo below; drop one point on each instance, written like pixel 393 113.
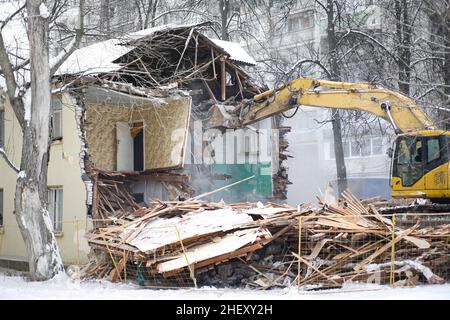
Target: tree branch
pixel 19 66
pixel 8 73
pixel 12 166
pixel 180 10
pixel 322 5
pixel 303 61
pixel 4 23
pixel 74 44
pixel 7 69
pixel 372 39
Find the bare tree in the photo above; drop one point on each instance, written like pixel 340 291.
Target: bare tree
pixel 341 170
pixel 224 8
pixel 146 10
pixel 31 103
pixel 438 13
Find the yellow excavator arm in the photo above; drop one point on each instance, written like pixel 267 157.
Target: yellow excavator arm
pixel 401 111
pixel 421 159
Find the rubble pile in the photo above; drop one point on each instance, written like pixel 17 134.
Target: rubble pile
pixel 262 246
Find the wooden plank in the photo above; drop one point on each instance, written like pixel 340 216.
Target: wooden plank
pixel 208 89
pixel 383 249
pixel 164 177
pixel 223 78
pixel 225 257
pixel 226 245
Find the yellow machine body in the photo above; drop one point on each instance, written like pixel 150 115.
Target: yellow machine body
pixel 420 165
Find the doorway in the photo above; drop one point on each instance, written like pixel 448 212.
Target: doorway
pixel 130 146
pixel 137 133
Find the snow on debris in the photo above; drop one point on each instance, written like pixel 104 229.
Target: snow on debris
pixel 236 52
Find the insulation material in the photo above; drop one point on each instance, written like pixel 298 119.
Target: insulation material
pixel 165 132
pixel 100 128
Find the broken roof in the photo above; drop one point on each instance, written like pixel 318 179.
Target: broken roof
pixel 103 57
pixel 96 58
pixel 235 51
pixel 99 57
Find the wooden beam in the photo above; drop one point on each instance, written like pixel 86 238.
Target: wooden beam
pixel 211 94
pixel 95 198
pixel 223 79
pixel 240 84
pixel 164 177
pixel 214 63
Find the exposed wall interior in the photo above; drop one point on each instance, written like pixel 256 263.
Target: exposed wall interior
pixel 165 123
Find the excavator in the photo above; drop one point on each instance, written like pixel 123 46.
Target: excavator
pixel 420 165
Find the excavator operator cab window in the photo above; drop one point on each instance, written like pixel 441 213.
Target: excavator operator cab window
pixel 415 156
pixel 417 152
pixel 433 149
pixel 409 160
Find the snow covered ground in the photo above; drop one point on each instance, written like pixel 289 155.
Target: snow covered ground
pixel 15 287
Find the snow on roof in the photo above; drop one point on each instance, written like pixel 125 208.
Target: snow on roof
pixel 99 57
pixel 149 31
pixel 236 52
pixel 96 58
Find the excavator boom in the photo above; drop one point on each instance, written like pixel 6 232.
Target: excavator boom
pixel 421 159
pixel 401 111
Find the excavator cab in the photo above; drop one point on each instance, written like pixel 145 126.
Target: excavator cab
pixel 420 167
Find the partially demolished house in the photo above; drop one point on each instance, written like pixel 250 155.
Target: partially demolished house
pixel 130 124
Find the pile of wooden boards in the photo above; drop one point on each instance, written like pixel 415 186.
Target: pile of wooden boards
pixel 350 241
pixel 110 196
pixel 338 241
pixel 170 237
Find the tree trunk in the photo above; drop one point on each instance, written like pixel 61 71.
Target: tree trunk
pixel 446 65
pixel 155 7
pixel 341 170
pixel 224 6
pixel 403 32
pixel 105 19
pixel 439 18
pixel 31 189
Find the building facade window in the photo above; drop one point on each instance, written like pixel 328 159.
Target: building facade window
pixel 2 128
pixel 55 207
pixel 294 24
pixel 301 21
pixel 307 20
pixel 57 123
pixel 365 147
